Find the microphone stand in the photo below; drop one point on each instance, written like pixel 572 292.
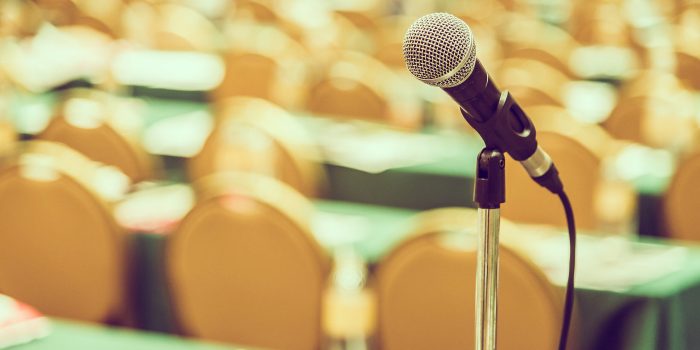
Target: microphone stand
pixel 489 193
pixel 507 129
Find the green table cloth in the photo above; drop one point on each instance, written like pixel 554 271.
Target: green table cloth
pixel 445 180
pixel 71 335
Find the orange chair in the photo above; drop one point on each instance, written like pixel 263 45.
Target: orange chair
pixel 580 170
pixel 248 74
pixel 86 123
pixel 345 97
pixel 426 291
pixel 657 121
pixel 688 68
pixel 244 267
pixel 682 199
pixel 354 85
pixel 257 136
pixel 166 26
pixel 272 72
pixel 532 82
pixel 60 248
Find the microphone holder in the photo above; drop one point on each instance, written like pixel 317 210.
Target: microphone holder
pixel 489 193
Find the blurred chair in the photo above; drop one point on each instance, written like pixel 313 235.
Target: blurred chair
pixel 682 199
pixel 354 85
pixel 657 83
pixel 19 18
pixel 524 30
pixel 94 125
pixel 357 29
pixel 347 97
pixel 267 12
pixel 256 136
pixel 600 22
pixel 182 28
pixel 105 17
pixel 390 41
pixel 58 12
pixel 60 248
pixel 688 69
pixel 557 59
pixel 244 266
pixel 426 290
pixel 8 137
pixel 664 122
pixel 532 82
pixel 248 74
pixel 625 121
pixel 276 72
pixel 167 26
pixel 580 170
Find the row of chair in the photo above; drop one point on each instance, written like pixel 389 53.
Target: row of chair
pixel 255 135
pixel 243 265
pixel 536 60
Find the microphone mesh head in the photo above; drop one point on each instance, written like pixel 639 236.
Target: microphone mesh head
pixel 439 50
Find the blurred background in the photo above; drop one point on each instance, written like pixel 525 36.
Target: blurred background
pixel 267 174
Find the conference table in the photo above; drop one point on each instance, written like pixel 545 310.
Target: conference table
pixel 73 335
pixel 384 169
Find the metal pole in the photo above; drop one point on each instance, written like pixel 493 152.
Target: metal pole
pixel 487 279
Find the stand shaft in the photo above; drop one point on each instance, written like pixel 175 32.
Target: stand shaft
pixel 487 279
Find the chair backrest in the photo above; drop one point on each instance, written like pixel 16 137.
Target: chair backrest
pixel 248 74
pixel 688 68
pixel 532 82
pixel 657 121
pixel 682 200
pixel 244 267
pixel 580 170
pixel 353 85
pixel 346 97
pixel 84 124
pixel 426 293
pixel 60 248
pixel 257 136
pixel 272 72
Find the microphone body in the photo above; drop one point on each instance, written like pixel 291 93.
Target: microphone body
pixel 440 51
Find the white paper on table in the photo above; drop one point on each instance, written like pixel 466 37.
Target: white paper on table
pixel 179 136
pixel 155 207
pixel 334 230
pixel 172 70
pixel 374 150
pixel 612 263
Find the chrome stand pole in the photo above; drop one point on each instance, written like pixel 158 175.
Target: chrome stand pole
pixel 489 193
pixel 487 279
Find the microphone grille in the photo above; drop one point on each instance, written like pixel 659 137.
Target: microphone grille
pixel 439 50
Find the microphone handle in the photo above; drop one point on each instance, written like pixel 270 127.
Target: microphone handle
pixel 503 125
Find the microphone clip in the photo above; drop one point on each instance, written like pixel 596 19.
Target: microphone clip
pixel 508 129
pixel 490 182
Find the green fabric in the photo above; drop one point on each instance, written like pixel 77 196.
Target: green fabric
pixel 387 226
pixel 68 335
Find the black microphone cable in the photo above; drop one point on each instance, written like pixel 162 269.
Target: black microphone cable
pixel 552 182
pixel 569 298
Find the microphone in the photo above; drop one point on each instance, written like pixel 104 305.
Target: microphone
pixel 439 50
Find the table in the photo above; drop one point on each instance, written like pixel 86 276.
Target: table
pixel 71 335
pixel 445 179
pixel 445 176
pixel 662 314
